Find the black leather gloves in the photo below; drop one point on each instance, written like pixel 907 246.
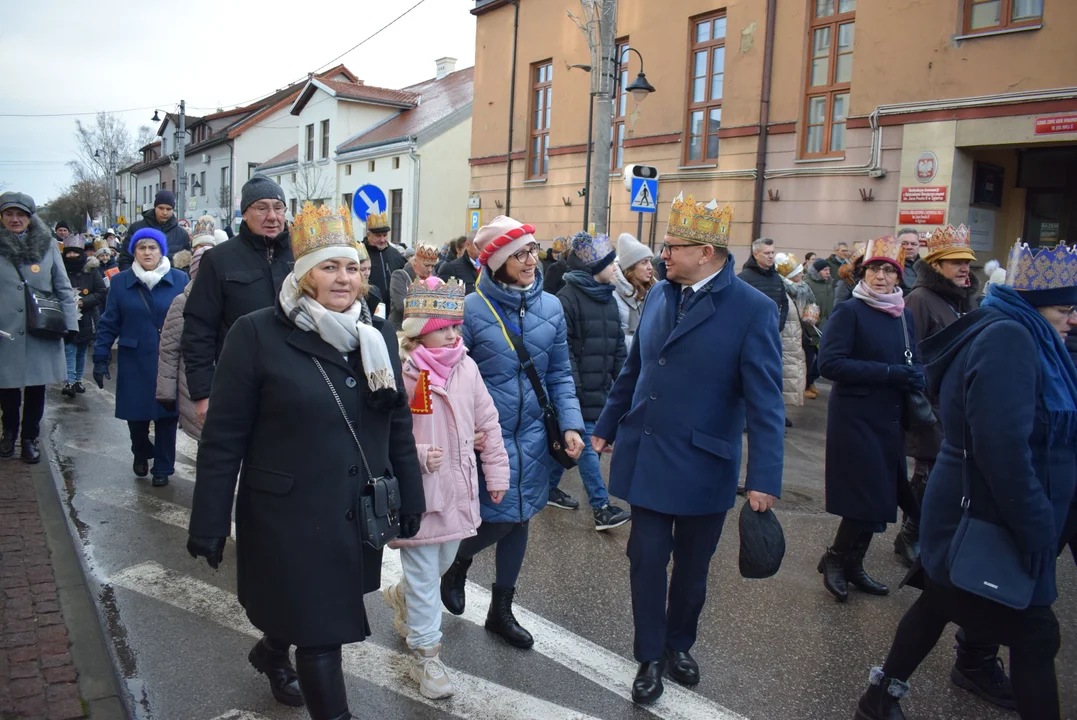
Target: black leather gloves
pixel 100 372
pixel 409 526
pixel 211 548
pixel 905 377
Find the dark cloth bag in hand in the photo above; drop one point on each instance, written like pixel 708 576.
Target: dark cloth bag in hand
pixel 44 312
pixel 554 437
pixel 762 543
pixel 916 411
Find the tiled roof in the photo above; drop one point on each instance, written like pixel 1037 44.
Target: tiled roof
pixel 440 99
pixel 355 91
pixel 291 154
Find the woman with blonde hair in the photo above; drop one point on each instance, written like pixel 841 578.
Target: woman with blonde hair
pixel 633 277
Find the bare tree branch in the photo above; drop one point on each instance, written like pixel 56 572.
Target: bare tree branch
pixel 311 184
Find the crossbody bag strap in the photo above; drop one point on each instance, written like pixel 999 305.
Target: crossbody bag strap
pixel 344 414
pixel 148 308
pixel 526 362
pixel 905 337
pixel 966 490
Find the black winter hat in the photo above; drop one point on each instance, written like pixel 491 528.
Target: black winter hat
pixel 819 264
pixel 762 543
pixel 63 224
pixel 165 197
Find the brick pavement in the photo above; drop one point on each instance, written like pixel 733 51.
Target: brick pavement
pixel 37 676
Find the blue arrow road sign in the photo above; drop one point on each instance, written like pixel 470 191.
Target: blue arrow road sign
pixel 644 195
pixel 368 199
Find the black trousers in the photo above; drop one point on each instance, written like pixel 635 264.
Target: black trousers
pixel 1032 635
pixel 511 541
pixel 669 619
pixel 32 400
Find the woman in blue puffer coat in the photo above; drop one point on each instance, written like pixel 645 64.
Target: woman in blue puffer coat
pixel 509 307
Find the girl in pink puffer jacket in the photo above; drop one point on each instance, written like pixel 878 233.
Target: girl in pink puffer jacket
pixel 451 411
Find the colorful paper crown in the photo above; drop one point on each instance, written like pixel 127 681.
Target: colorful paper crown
pixel 948 242
pixel 886 248
pixel 787 265
pixel 689 220
pixel 591 250
pixel 445 301
pixel 558 245
pixel 426 252
pixel 100 244
pixel 203 226
pixel 378 222
pixel 318 227
pixel 1041 269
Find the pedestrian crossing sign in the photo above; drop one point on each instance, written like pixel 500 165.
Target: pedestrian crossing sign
pixel 644 195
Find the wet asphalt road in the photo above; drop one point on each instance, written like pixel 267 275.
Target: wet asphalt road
pixel 780 649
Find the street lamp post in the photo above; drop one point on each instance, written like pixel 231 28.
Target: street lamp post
pixel 113 192
pixel 181 141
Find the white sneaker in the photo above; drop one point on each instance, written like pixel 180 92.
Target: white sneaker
pixel 428 670
pixel 394 598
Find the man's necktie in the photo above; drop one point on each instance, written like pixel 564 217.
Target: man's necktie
pixel 686 296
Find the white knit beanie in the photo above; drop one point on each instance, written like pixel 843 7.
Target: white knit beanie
pixel 631 251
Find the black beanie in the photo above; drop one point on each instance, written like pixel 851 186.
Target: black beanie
pixel 165 197
pixel 63 224
pixel 819 264
pixel 258 188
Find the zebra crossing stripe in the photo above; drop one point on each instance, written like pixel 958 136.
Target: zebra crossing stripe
pixel 475 697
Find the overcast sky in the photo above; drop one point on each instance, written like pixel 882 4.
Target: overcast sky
pixel 64 56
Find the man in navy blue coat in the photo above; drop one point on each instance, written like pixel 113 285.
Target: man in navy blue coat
pixel 705 363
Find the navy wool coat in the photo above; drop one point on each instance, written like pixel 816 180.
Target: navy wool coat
pixel 865 443
pixel 678 409
pixel 134 316
pixel 985 371
pixel 522 428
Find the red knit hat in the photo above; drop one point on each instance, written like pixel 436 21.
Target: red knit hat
pixel 502 238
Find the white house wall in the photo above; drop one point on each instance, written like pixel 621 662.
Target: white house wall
pixel 206 200
pixel 443 185
pixel 386 178
pixel 270 137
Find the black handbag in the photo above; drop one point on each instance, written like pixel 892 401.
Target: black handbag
pixel 379 500
pixel 44 312
pixel 916 410
pixel 983 557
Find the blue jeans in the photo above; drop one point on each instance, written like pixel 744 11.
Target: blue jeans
pixel 76 360
pixel 590 471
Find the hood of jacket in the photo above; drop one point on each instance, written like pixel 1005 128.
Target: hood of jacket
pixel 31 247
pixel 752 264
pixel 150 216
pixel 939 351
pixel 813 274
pixel 929 278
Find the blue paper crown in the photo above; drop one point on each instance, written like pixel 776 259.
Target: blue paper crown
pixel 1041 269
pixel 591 250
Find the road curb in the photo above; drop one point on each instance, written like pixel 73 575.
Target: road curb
pixel 99 683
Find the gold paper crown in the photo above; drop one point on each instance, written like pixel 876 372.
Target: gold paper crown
pixel 318 227
pixel 948 239
pixel 698 222
pixel 377 222
pixel 885 248
pixel 426 252
pixel 786 264
pixel 1041 269
pixel 444 302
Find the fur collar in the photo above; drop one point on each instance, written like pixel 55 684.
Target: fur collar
pixel 930 279
pixel 32 247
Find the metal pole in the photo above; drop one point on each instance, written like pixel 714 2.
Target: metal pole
pixel 181 138
pixel 512 110
pixel 639 227
pixel 590 147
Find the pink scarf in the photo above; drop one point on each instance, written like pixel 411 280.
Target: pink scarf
pixel 439 362
pixel 892 304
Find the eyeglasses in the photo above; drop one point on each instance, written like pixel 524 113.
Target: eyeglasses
pixel 888 270
pixel 264 210
pixel 668 247
pixel 529 251
pixel 1066 309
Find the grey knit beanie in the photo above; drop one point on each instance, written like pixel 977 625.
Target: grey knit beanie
pixel 630 251
pixel 258 188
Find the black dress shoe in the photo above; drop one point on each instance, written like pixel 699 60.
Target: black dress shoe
pixel 159 481
pixel 647 687
pixel 31 453
pixel 7 445
pixel 682 667
pixel 141 467
pixel 273 662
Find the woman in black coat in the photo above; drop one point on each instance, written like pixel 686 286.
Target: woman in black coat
pixel 274 422
pixel 864 353
pixel 88 284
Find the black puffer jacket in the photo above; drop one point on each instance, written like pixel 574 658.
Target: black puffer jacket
pixel 383 263
pixel 596 343
pixel 178 239
pixel 768 282
pixel 235 278
pixel 89 286
pixel 554 279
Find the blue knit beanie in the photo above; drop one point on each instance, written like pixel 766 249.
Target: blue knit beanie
pixel 147 233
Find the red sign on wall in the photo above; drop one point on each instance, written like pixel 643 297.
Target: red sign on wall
pixel 1056 124
pixel 921 217
pixel 926 193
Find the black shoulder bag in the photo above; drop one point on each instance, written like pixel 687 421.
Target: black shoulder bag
pixel 44 311
pixel 916 411
pixel 379 500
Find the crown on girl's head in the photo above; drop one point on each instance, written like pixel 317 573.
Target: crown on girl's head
pixel 1041 268
pixel 445 300
pixel 699 222
pixel 318 227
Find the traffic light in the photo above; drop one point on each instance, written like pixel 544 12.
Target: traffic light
pixel 638 171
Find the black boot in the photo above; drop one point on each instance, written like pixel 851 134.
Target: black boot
pixel 881 701
pixel 979 669
pixel 7 445
pixel 141 467
pixel 31 453
pixel 907 542
pixel 322 680
pixel 501 621
pixel 832 566
pixel 272 660
pixel 452 585
pixel 854 568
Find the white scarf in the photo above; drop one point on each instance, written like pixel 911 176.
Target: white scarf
pixel 345 331
pixel 150 278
